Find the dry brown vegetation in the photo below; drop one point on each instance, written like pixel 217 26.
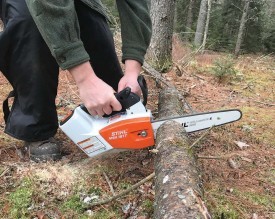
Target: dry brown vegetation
pixel 236 161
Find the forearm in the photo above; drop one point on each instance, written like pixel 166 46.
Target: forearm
pixel 58 24
pixel 136 28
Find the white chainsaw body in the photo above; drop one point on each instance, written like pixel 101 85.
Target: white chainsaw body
pixel 84 129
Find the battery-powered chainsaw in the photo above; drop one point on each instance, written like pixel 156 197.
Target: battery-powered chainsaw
pixel 133 127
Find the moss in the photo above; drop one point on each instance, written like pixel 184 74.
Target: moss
pixel 95 191
pixel 223 208
pixel 124 185
pixel 148 207
pixel 20 200
pixel 261 199
pixel 106 214
pixel 74 203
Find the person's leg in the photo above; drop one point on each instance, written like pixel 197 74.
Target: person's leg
pixel 98 42
pixel 27 63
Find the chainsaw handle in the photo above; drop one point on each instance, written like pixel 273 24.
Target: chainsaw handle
pixel 127 98
pixel 144 89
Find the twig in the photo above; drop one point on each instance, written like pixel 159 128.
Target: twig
pixel 109 183
pixel 4 172
pixel 268 104
pixel 150 70
pixel 211 157
pixel 200 138
pixel 152 175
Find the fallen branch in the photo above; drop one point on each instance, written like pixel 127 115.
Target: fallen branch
pixel 151 176
pixel 150 70
pixel 109 183
pixel 4 172
pixel 210 157
pixel 201 137
pixel 264 103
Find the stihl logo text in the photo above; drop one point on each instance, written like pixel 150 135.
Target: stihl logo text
pixel 118 135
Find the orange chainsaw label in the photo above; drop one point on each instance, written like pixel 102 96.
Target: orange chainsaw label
pixel 134 133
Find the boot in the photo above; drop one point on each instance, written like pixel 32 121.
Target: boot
pixel 42 151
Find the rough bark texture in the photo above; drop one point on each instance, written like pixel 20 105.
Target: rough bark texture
pixel 1 25
pixel 209 3
pixel 241 29
pixel 200 23
pixel 189 20
pixel 160 50
pixel 177 182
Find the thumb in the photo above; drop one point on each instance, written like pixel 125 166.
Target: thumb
pixel 121 86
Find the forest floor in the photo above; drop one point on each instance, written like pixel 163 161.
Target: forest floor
pixel 236 161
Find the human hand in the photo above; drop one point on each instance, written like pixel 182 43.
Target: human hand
pixel 97 96
pixel 132 71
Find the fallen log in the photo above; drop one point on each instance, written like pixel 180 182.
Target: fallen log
pixel 177 181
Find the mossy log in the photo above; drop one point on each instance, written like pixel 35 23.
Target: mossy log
pixel 177 181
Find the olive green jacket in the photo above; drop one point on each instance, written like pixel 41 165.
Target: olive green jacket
pixel 58 25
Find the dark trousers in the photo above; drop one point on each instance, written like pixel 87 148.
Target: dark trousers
pixel 27 63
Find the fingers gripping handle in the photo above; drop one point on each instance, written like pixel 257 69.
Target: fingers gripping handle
pixel 126 98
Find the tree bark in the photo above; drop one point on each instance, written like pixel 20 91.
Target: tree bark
pixel 189 20
pixel 209 3
pixel 242 27
pixel 177 182
pixel 200 23
pixel 160 50
pixel 1 25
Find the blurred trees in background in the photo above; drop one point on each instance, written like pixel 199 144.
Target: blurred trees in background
pixel 225 23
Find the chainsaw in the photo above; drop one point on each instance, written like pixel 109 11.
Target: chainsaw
pixel 133 127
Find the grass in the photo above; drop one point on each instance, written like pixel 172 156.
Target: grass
pixel 21 199
pixel 262 200
pixel 261 123
pixel 221 207
pixel 148 207
pixel 74 203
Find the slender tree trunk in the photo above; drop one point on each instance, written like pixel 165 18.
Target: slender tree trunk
pixel 242 28
pixel 189 20
pixel 200 23
pixel 1 25
pixel 206 24
pixel 160 50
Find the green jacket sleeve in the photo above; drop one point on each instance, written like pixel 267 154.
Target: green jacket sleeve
pixel 136 28
pixel 58 24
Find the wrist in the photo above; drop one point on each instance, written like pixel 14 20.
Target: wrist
pixel 83 72
pixel 132 67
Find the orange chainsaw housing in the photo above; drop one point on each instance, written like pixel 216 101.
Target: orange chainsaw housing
pixel 134 133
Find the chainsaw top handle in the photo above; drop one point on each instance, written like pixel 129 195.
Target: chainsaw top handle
pixel 127 98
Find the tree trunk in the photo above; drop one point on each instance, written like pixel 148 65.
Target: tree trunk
pixel 160 50
pixel 177 179
pixel 242 27
pixel 206 24
pixel 189 20
pixel 1 25
pixel 200 23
